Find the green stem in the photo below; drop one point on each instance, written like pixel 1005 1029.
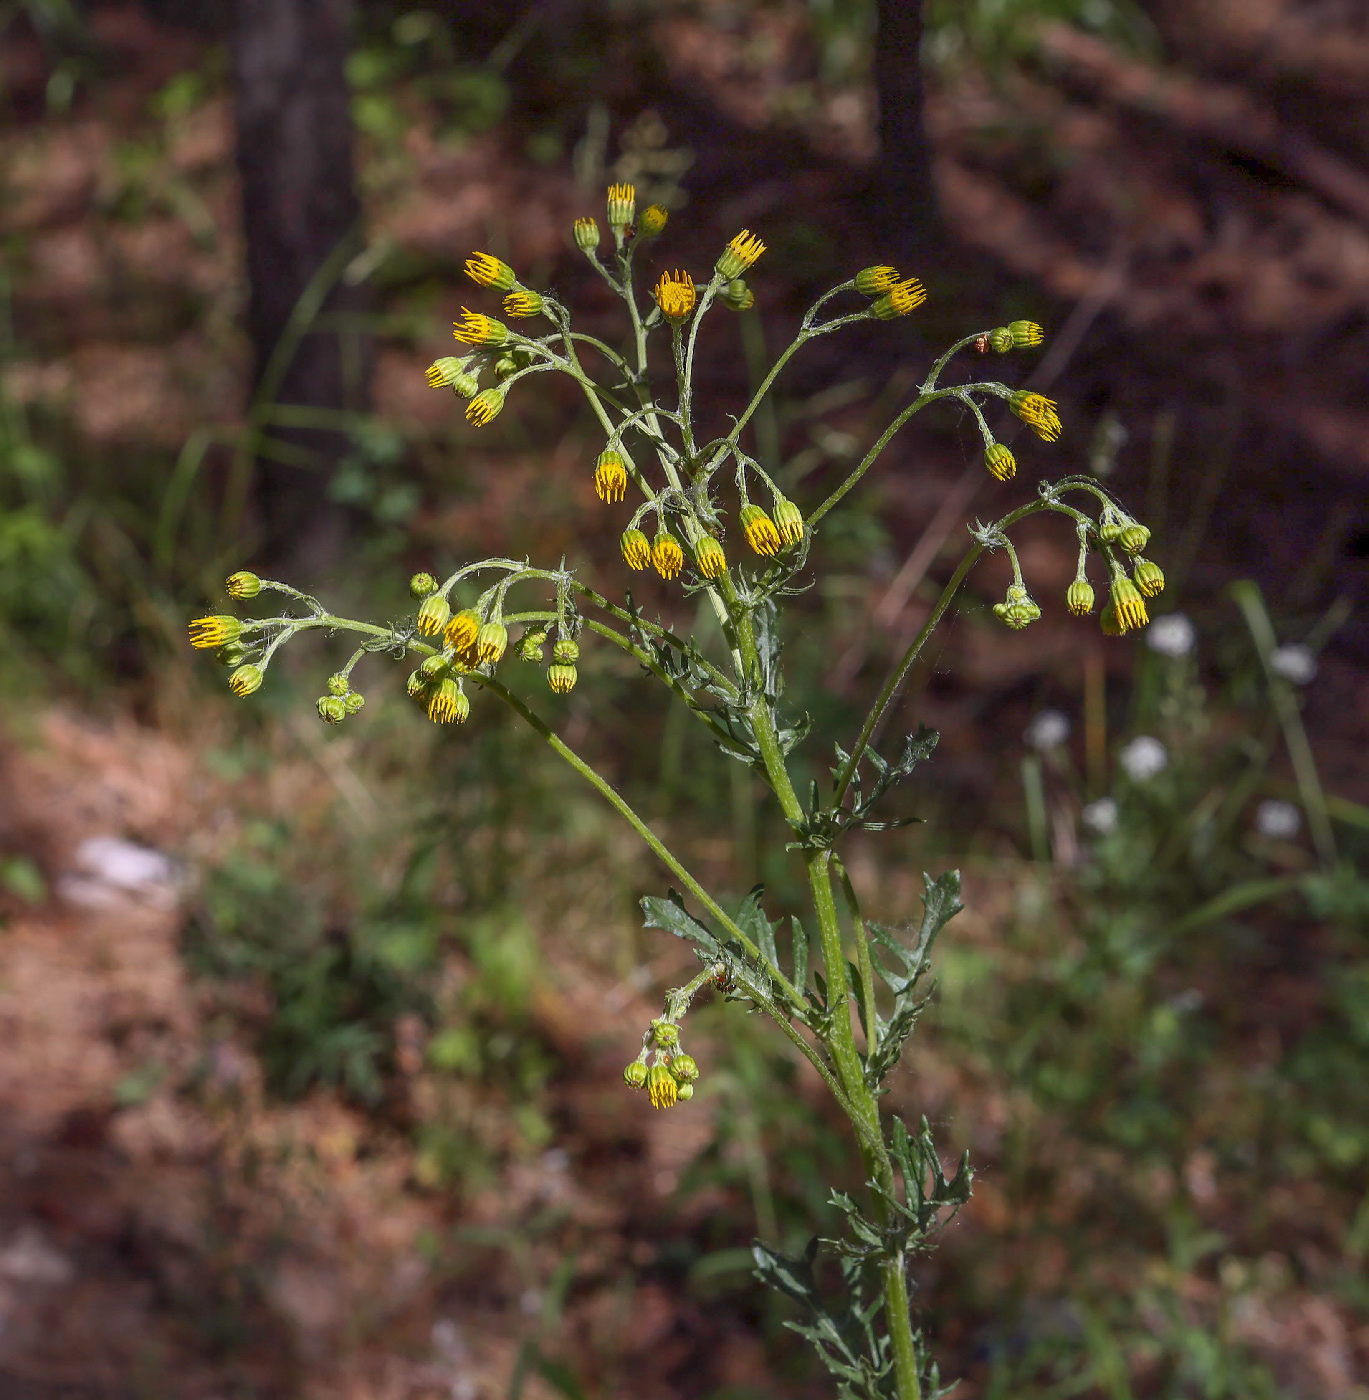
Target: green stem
pixel 620 805
pixel 860 1104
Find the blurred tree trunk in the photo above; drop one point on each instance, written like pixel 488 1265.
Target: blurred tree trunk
pixel 905 163
pixel 301 221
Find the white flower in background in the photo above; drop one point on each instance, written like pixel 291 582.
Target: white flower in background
pixel 1171 635
pixel 1048 730
pixel 1143 758
pixel 1294 662
pixel 1277 820
pixel 1101 816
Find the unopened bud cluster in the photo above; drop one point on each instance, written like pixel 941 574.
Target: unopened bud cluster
pixel 662 1068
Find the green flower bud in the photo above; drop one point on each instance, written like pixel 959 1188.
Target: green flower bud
pixel 634 1076
pixel 1149 577
pixel 665 1035
pixel 434 667
pixel 566 650
pixel 491 641
pixel 622 205
pixel 243 584
pixel 353 702
pixel 245 680
pixel 214 632
pixel 331 710
pixel 338 684
pixel 230 655
pixel 1025 334
pixel 530 648
pixel 737 295
pixel 586 235
pixel 1001 340
pixel 504 366
pixel 562 677
pixel 433 615
pixel 684 1092
pixel 416 685
pixel 684 1068
pixel 420 585
pixel 1079 597
pixel 788 520
pixel 1134 537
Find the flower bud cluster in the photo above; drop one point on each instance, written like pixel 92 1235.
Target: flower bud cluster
pixel 662 1068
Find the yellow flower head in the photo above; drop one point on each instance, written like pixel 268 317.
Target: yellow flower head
pixel 1025 334
pixel 636 549
pixel 561 676
pixel 709 556
pixel 448 703
pixel 1128 606
pixel 1000 461
pixel 610 476
pixel 760 530
pixel 900 299
pixel 1038 413
pixel 739 254
pixel 622 205
pixel 485 406
pixel 1109 622
pixel 245 680
pixel 875 281
pixel 206 632
pixel 667 556
pixel 653 220
pixel 522 303
pixel 490 643
pixel 462 631
pixel 489 271
pixel 475 329
pixel 789 520
pixel 661 1086
pixel 675 294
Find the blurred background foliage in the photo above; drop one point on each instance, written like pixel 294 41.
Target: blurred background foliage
pixel 1150 1031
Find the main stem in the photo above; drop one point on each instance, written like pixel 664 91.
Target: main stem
pixel 861 1107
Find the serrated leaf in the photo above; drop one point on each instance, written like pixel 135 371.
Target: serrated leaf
pixel 800 940
pixel 752 921
pixel 671 915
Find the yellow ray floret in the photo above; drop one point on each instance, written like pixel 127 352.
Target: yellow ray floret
pixel 622 205
pixel 476 329
pixel 661 1087
pixel 900 299
pixel 1127 604
pixel 740 254
pixel 667 556
pixel 490 271
pixel 760 531
pixel 522 303
pixel 675 294
pixel 789 520
pixel 206 632
pixel 610 476
pixel 1038 413
pixel 709 556
pixel 485 406
pixel 636 549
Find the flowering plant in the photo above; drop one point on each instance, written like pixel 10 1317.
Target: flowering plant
pixel 683 486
